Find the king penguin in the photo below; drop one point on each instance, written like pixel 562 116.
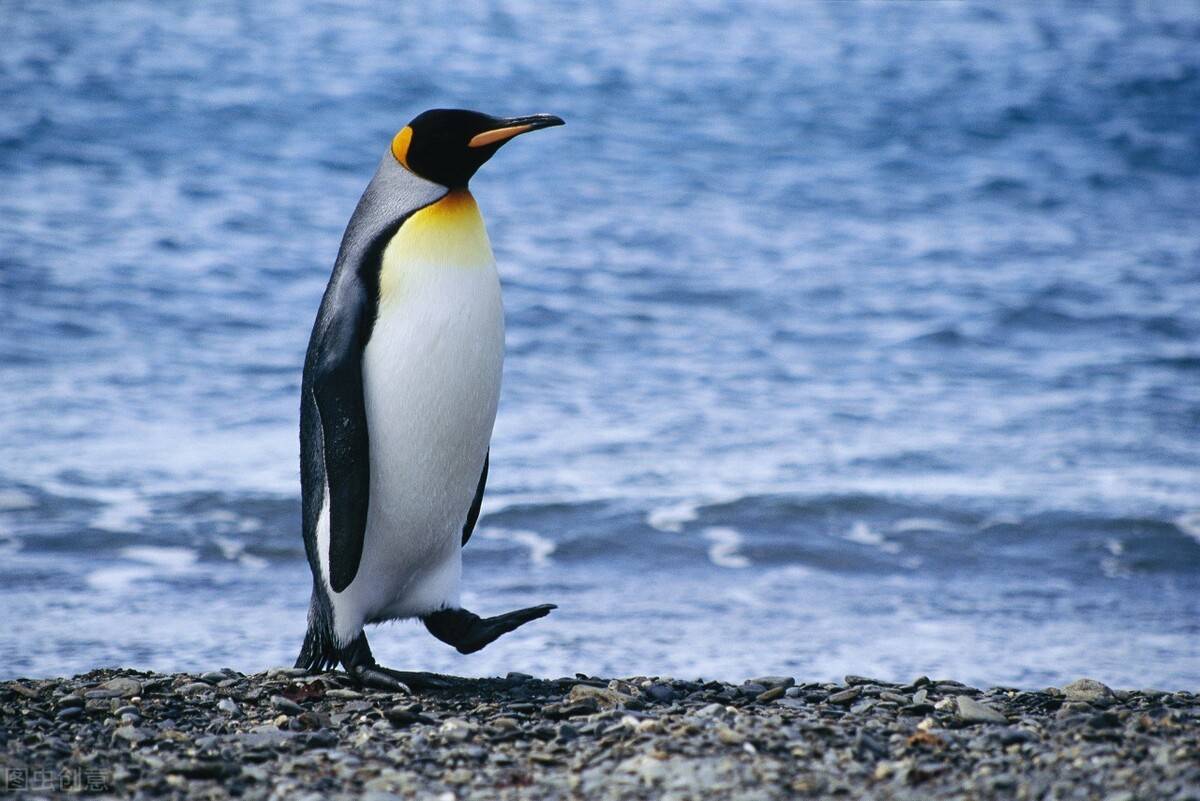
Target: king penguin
pixel 401 382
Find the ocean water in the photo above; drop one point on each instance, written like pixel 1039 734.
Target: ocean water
pixel 847 337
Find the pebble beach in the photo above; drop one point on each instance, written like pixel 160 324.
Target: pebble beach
pixel 284 734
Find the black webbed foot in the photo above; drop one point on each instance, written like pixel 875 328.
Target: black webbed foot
pixel 468 632
pixel 363 670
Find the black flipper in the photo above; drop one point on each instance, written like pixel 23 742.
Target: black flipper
pixel 337 388
pixel 473 514
pixel 468 632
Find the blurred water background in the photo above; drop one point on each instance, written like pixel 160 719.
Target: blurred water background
pixel 848 337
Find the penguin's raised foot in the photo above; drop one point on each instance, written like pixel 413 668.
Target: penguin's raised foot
pixel 468 632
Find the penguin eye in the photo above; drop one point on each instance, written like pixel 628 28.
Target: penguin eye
pixel 400 145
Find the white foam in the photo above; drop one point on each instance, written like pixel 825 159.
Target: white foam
pixel 150 562
pixel 235 551
pixel 172 559
pixel 672 518
pixel 861 533
pixel 122 511
pixel 13 500
pixel 540 548
pixel 1189 523
pixel 723 547
pixel 911 524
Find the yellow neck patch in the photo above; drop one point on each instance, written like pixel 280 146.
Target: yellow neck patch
pixel 447 234
pixel 400 145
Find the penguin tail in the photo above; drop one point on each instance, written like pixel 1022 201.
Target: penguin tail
pixel 318 653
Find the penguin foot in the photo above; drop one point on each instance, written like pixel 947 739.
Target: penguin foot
pixel 364 671
pixel 468 632
pixel 401 681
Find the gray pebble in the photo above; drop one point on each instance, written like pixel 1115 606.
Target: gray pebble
pixel 845 696
pixel 771 682
pixel 971 711
pixel 195 688
pixel 286 706
pixel 1087 690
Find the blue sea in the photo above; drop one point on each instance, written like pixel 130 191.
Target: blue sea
pixel 842 337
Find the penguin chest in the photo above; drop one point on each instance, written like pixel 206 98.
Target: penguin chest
pixel 431 373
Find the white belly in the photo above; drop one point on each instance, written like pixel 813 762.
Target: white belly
pixel 431 374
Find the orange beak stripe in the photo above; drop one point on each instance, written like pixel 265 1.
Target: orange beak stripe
pixel 498 135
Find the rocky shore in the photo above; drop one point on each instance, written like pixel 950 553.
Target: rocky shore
pixel 281 734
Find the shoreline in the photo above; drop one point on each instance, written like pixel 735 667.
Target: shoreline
pixel 219 734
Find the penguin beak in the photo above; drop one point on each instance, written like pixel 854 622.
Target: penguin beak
pixel 513 126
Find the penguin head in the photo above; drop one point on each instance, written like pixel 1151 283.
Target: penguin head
pixel 447 146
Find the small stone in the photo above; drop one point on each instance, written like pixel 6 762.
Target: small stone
pixel 770 695
pixel 323 738
pixel 194 688
pixel 1087 690
pixel 22 690
pixel 607 699
pixel 343 694
pixel 205 769
pixel 285 706
pixel 123 687
pixel 895 698
pixel 132 734
pixel 403 717
pixel 286 672
pixel 854 681
pixel 971 711
pixel 69 713
pixel 1104 720
pixel 460 776
pixel 213 676
pixel 794 692
pixel 770 682
pixel 659 693
pixel 729 736
pixel 228 706
pixel 845 696
pixel 513 677
pixel 457 729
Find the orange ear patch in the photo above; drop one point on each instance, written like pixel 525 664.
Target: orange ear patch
pixel 400 145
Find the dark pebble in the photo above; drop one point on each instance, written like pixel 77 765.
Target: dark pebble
pixel 845 696
pixel 285 706
pixel 205 769
pixel 323 738
pixel 1104 720
pixel 403 718
pixel 660 693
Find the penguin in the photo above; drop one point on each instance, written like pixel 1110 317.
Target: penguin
pixel 399 394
